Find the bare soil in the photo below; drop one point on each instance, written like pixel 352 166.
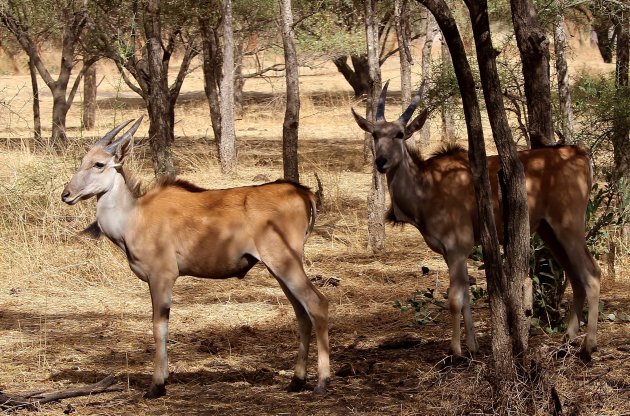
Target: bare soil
pixel 72 313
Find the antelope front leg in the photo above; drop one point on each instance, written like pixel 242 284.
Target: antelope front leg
pixel 459 304
pixel 161 297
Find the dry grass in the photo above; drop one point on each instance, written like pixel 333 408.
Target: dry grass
pixel 72 312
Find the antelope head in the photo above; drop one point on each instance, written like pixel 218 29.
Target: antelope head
pixel 100 165
pixel 389 137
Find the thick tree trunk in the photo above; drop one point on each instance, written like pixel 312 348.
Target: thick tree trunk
pixel 621 122
pixel 37 120
pixel 292 114
pixel 358 78
pixel 239 81
pixel 376 196
pixel 515 281
pixel 161 136
pixel 534 48
pixel 562 73
pixel 58 136
pixel 212 64
pixel 161 111
pixel 89 98
pixel 227 148
pixel 605 41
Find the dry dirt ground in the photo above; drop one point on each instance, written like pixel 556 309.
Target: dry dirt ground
pixel 72 313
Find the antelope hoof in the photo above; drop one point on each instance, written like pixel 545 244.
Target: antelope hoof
pixel 297 384
pixel 586 354
pixel 321 387
pixel 155 391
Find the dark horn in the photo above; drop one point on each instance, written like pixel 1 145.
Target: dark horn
pixel 404 118
pixel 125 137
pixel 104 141
pixel 380 108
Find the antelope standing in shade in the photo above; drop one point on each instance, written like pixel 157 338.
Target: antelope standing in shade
pixel 436 196
pixel 179 229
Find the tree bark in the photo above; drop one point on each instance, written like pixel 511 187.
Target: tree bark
pixel 514 288
pixel 448 123
pixel 212 64
pixel 621 121
pixel 290 126
pixel 376 196
pixel 534 49
pixel 431 30
pixel 227 149
pixel 562 73
pixel 89 98
pixel 37 120
pixel 406 61
pixel 161 112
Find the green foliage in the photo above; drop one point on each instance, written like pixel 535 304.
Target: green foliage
pixel 548 285
pixel 427 307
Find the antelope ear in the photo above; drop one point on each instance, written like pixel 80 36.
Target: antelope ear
pixel 417 123
pixel 363 123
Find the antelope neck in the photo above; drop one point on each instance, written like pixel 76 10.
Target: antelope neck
pixel 114 208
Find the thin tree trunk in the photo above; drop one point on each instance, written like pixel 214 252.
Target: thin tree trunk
pixel 448 123
pixel 534 49
pixel 431 31
pixel 292 114
pixel 37 120
pixel 212 64
pixel 515 281
pixel 239 81
pixel 406 60
pixel 58 137
pixel 89 98
pixel 227 148
pixel 376 196
pixel 562 73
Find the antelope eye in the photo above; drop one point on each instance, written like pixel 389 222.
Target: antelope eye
pixel 400 135
pixel 99 165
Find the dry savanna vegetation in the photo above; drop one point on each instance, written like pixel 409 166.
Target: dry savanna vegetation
pixel 72 313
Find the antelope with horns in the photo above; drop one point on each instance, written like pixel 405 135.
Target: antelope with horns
pixel 179 229
pixel 436 195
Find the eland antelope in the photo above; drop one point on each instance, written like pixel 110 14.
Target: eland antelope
pixel 177 228
pixel 436 195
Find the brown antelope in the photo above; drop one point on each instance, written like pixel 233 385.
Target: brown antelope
pixel 436 195
pixel 179 229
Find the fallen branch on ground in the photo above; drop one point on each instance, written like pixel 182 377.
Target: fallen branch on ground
pixel 30 400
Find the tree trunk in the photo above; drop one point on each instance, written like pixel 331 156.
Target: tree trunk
pixel 89 98
pixel 621 121
pixel 212 64
pixel 37 120
pixel 358 78
pixel 376 196
pixel 227 149
pixel 534 48
pixel 161 112
pixel 478 161
pixel 239 81
pixel 292 114
pixel 406 61
pixel 601 26
pixel 58 136
pixel 448 123
pixel 425 131
pixel 562 73
pixel 515 283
